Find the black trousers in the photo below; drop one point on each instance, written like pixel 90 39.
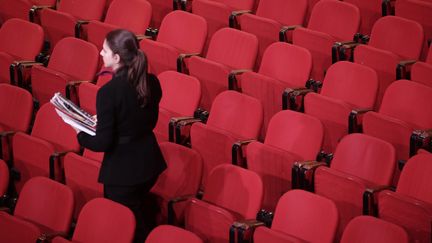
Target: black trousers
pixel 140 201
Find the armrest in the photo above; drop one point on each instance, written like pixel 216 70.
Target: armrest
pixel 7 135
pixel 172 125
pixel 243 228
pixel 369 204
pixel 403 70
pixel 18 68
pixel 237 152
pixel 171 202
pixel 282 32
pixel 33 11
pixel 185 5
pixel 152 32
pixel 388 7
pixel 361 38
pixel 355 120
pixel 233 23
pixel 233 83
pixel 140 37
pixel 47 237
pixel 78 27
pixel 181 66
pixel 291 96
pixel 337 54
pixel 72 85
pixel 179 126
pixel 6 210
pixel 303 174
pixel 420 139
pixel 52 159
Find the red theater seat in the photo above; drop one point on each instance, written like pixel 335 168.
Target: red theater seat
pixel 168 233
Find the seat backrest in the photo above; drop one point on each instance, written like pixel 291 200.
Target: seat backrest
pixel 137 18
pixel 338 19
pixel 295 132
pixel 181 92
pixel 184 31
pixel 50 127
pixel 46 202
pixel 286 12
pixel 101 220
pixel 21 38
pixel 16 108
pixel 408 101
pixel 236 113
pixel 183 175
pixel 370 11
pixel 367 157
pixel 233 48
pixel 4 177
pixel 307 216
pixel 74 57
pixel 415 180
pixel 287 63
pixel 97 156
pixel 236 189
pixel 401 36
pixel 83 9
pixel 238 4
pixel 353 83
pixel 168 233
pixel 371 229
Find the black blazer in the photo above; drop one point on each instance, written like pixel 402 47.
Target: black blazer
pixel 125 132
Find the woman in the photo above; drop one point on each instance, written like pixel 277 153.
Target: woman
pixel 127 111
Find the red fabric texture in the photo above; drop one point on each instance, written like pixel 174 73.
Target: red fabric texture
pixel 16 230
pixel 168 233
pixel 182 177
pixel 16 108
pixel 370 12
pixel 180 32
pixel 81 176
pixel 370 229
pixel 421 72
pixel 159 10
pixel 296 215
pixel 101 220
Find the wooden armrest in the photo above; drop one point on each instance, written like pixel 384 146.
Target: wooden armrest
pixel 172 125
pixel 6 135
pixel 403 70
pixel 177 129
pixel 140 37
pixel 181 66
pixel 337 54
pixel 233 83
pixel 237 152
pixel 153 32
pixel 72 85
pixel 52 159
pixel 369 205
pixel 420 139
pixel 78 27
pixel 282 32
pixel 33 10
pixel 303 174
pixel 241 227
pixel 17 67
pixel 355 120
pixel 47 237
pixel 388 7
pixel 233 23
pixel 171 202
pixel 290 98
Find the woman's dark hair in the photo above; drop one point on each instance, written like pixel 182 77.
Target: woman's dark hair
pixel 125 44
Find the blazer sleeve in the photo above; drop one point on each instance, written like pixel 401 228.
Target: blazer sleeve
pixel 155 98
pixel 104 138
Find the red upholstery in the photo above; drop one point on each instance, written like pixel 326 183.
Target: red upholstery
pixel 49 135
pixel 232 193
pixel 182 177
pixel 234 117
pixel 87 91
pixel 392 40
pixel 217 12
pixel 61 22
pixel 160 9
pixel 19 40
pixel 347 86
pixel 44 206
pixel 102 220
pixel 4 177
pixel 181 95
pixel 229 49
pixel 411 205
pixel 422 71
pixel 168 233
pixel 20 8
pixel 363 229
pixel 283 66
pixel 180 32
pixel 419 11
pixel 16 107
pixel 71 60
pixel 270 17
pixel 301 216
pixel 81 174
pixel 370 12
pixel 330 21
pixel 291 137
pixel 136 20
pixel 404 108
pixel 360 162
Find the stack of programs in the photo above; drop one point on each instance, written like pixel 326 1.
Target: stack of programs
pixel 73 115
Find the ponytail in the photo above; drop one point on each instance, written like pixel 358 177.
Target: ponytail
pixel 137 76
